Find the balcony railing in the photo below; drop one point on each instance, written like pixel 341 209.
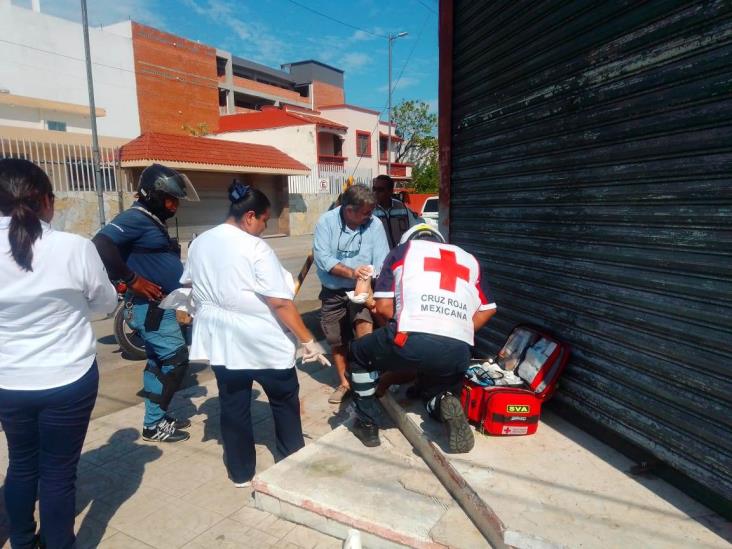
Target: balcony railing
pixel 332 159
pixel 398 169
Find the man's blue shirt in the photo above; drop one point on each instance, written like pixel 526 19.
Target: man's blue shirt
pixel 145 248
pixel 335 243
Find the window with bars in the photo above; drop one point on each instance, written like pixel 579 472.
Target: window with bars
pixel 363 143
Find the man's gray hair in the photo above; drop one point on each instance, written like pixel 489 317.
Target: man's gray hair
pixel 357 196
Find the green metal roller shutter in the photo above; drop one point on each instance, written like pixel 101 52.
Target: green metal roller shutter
pixel 592 176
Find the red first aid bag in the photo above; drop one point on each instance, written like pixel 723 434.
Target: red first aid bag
pixel 538 359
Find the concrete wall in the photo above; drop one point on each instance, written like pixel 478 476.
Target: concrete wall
pixel 305 210
pixel 43 57
pixel 295 141
pixel 361 121
pixel 78 212
pixel 36 118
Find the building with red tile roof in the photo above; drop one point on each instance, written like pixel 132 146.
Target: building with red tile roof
pixel 203 153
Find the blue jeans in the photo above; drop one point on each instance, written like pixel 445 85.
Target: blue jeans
pixel 45 431
pixel 160 345
pixel 235 396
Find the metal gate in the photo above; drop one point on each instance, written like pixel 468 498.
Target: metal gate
pixel 592 176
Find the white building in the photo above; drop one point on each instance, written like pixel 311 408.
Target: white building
pixel 43 82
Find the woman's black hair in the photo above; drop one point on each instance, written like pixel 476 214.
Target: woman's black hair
pixel 23 185
pixel 245 198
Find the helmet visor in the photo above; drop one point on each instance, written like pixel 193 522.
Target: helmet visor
pixel 179 186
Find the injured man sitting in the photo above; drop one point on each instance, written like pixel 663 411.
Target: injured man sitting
pixel 430 302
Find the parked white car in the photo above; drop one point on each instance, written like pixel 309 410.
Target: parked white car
pixel 430 211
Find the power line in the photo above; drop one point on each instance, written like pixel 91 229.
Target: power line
pixel 145 72
pixel 429 8
pixel 401 72
pixel 308 8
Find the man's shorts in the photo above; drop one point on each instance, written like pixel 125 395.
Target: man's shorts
pixel 338 315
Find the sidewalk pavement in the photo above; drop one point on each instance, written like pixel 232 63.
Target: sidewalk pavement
pixel 135 494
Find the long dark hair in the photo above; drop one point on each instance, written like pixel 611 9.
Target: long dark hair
pixel 23 185
pixel 245 198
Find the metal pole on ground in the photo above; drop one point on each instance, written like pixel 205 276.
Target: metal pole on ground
pixel 98 182
pixel 484 518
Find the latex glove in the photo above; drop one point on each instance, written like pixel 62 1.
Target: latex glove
pixel 312 352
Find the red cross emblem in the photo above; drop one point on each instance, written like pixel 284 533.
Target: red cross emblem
pixel 448 267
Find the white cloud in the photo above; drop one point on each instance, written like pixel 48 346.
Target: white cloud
pixel 360 36
pixel 374 33
pixel 404 82
pixel 352 62
pixel 253 39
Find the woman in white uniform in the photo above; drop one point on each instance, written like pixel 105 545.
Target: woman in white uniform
pixel 50 284
pixel 243 326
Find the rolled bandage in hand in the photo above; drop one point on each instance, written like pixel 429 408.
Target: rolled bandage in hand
pixel 362 292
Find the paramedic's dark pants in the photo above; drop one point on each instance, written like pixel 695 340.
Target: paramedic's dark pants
pixel 440 362
pixel 235 396
pixel 45 430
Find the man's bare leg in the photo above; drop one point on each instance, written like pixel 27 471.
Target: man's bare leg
pixel 340 363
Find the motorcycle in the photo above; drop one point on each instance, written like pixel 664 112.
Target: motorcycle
pixel 128 339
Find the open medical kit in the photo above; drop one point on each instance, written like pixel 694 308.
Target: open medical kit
pixel 503 395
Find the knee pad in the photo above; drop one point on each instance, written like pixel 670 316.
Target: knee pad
pixel 171 380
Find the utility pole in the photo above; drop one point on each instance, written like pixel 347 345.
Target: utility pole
pixel 392 36
pixel 98 182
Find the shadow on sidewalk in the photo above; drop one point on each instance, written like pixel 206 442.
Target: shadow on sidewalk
pixel 262 422
pixel 105 492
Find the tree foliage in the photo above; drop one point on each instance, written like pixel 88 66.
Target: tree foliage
pixel 416 125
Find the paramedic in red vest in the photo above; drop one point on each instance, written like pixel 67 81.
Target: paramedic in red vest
pixel 393 213
pixel 432 296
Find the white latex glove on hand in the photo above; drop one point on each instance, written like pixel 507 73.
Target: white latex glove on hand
pixel 312 351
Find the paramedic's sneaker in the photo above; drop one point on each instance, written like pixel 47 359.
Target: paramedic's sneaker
pixel 460 437
pixel 367 432
pixel 177 423
pixel 164 432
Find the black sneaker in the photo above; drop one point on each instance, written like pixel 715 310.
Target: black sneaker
pixel 177 423
pixel 164 432
pixel 366 432
pixel 460 437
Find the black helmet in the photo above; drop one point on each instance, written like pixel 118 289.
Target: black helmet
pixel 422 231
pixel 161 179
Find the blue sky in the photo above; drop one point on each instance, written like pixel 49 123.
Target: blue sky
pixel 280 31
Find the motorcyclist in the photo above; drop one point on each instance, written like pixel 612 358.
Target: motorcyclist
pixel 137 250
